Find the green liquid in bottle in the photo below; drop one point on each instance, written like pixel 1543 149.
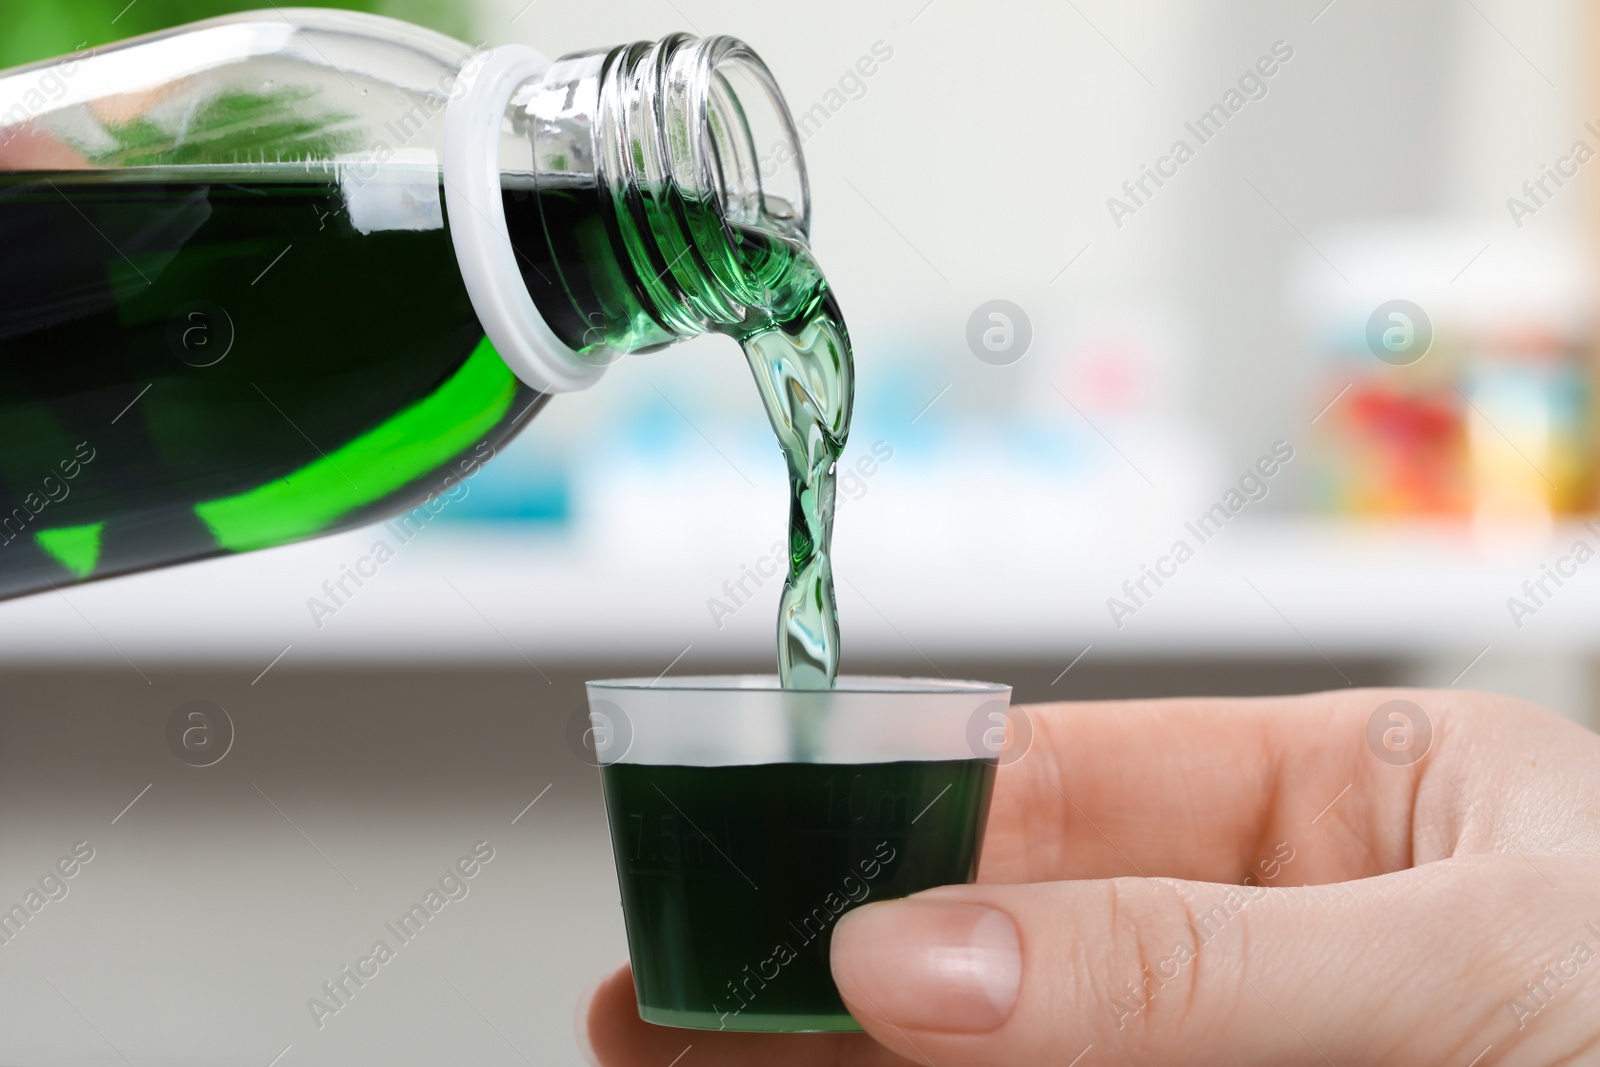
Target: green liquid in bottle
pixel 192 365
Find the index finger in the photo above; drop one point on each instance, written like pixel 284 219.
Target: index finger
pixel 1217 790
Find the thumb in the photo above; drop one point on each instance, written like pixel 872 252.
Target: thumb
pixel 1404 968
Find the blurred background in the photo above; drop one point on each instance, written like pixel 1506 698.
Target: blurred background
pixel 1306 287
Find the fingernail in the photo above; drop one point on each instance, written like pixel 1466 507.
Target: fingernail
pixel 929 965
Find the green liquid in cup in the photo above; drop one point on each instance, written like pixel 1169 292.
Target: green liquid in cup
pixel 733 877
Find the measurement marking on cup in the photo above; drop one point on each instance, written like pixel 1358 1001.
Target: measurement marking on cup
pixel 932 802
pixel 1480 1056
pixel 280 1055
pixel 531 803
pixel 685 1052
pixel 708 838
pixel 131 803
pixel 1080 1056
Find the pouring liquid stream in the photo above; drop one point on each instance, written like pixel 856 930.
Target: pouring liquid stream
pixel 804 372
pixel 692 269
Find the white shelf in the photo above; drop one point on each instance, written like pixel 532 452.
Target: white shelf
pixel 966 565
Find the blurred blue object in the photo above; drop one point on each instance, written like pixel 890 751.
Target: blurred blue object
pixel 519 486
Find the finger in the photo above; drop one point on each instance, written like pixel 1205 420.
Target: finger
pixel 617 1037
pixel 30 147
pixel 1157 971
pixel 1211 790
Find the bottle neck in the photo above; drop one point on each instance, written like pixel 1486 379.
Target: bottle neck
pixel 651 191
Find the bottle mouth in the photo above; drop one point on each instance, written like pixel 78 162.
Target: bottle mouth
pixel 664 180
pixel 697 146
pixel 753 148
pixel 705 115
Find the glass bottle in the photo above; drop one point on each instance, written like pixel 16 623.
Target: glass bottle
pixel 278 274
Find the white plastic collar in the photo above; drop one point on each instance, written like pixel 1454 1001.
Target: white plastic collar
pixel 472 126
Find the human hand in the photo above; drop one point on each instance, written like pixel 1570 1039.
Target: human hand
pixel 1231 882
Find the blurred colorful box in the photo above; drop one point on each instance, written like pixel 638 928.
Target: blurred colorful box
pixel 1457 370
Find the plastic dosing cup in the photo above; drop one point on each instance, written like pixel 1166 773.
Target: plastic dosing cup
pixel 746 819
